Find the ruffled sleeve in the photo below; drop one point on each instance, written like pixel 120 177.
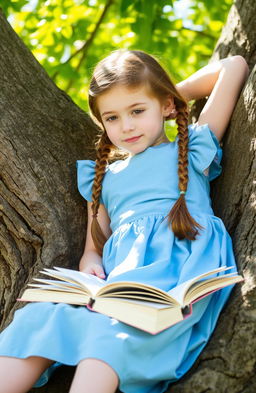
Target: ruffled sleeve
pixel 204 150
pixel 85 177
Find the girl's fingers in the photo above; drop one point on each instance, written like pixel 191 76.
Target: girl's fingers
pixel 96 270
pixel 88 271
pixel 99 272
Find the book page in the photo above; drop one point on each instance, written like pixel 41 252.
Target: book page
pixel 55 283
pixel 181 290
pixel 138 296
pixel 135 290
pixel 207 286
pixel 150 317
pixel 59 286
pixel 55 296
pixel 88 282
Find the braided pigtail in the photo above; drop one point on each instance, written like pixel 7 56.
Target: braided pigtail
pixel 183 225
pixel 103 151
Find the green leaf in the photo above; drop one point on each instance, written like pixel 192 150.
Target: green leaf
pixel 54 28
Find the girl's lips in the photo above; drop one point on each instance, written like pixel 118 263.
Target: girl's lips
pixel 134 139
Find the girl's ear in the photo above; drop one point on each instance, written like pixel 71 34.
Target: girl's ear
pixel 169 109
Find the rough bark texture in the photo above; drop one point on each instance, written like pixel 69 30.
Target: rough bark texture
pixel 228 362
pixel 42 133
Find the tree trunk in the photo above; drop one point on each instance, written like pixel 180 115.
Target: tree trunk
pixel 228 362
pixel 42 222
pixel 42 133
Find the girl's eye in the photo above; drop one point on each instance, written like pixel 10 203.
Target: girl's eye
pixel 138 111
pixel 111 118
pixel 135 111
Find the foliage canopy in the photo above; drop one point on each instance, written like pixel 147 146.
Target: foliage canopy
pixel 68 37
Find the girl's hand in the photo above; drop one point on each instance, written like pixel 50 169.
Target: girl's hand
pixel 91 263
pixel 95 269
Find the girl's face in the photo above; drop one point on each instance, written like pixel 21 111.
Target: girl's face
pixel 133 119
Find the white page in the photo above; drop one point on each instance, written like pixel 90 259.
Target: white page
pixel 180 291
pixel 89 281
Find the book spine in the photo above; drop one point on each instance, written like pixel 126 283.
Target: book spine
pixel 91 303
pixel 187 311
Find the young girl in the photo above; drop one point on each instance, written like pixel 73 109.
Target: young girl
pixel 149 219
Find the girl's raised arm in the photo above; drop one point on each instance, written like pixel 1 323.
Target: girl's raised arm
pixel 222 82
pixel 91 262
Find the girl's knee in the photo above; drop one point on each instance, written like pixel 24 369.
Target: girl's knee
pixel 24 373
pixel 98 365
pixel 94 375
pixel 39 362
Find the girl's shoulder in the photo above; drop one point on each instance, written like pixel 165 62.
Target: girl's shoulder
pixel 195 129
pixel 85 178
pixel 204 150
pixel 89 164
pixel 87 167
pixel 202 136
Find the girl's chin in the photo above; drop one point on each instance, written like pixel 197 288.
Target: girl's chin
pixel 133 152
pixel 133 149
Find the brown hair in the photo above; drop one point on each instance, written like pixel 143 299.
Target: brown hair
pixel 133 68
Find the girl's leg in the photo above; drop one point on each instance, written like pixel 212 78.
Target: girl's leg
pixel 19 375
pixel 94 376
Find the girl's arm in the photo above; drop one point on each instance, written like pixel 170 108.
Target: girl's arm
pixel 222 82
pixel 91 262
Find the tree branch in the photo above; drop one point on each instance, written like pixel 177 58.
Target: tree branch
pixel 203 33
pixel 84 49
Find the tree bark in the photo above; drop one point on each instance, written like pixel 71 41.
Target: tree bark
pixel 228 362
pixel 42 216
pixel 42 134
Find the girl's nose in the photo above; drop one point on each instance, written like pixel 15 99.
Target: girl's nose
pixel 127 125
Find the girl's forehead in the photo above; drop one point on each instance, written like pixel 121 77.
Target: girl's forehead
pixel 121 97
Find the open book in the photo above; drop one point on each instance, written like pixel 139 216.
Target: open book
pixel 143 306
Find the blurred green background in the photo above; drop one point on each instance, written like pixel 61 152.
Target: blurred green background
pixel 68 37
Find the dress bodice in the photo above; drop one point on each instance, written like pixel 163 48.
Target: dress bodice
pixel 147 183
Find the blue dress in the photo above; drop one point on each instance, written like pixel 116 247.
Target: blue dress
pixel 138 193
